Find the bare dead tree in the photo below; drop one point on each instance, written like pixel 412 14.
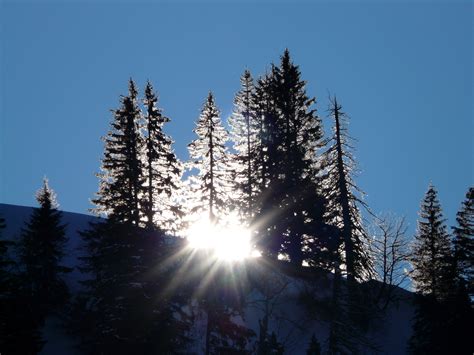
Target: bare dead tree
pixel 390 250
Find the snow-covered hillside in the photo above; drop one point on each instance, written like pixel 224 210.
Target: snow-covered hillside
pixel 290 320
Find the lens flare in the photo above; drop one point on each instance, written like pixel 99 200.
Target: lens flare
pixel 228 241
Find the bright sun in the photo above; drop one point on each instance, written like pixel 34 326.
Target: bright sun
pixel 230 242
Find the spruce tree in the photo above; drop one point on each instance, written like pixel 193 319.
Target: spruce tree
pixel 209 155
pixel 290 133
pixel 464 243
pixel 20 328
pixel 41 250
pixel 431 255
pixel 443 310
pixel 162 170
pixel 124 259
pixel 121 179
pixel 5 261
pixel 244 130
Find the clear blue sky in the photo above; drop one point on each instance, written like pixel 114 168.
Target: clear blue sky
pixel 402 71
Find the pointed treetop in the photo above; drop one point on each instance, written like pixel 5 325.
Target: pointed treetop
pixel 45 196
pixel 148 88
pixel 210 97
pixel 132 88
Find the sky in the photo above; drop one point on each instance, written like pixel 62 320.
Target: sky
pixel 403 71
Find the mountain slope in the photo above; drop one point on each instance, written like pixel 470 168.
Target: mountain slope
pixel 292 322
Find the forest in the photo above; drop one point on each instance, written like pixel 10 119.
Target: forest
pixel 180 245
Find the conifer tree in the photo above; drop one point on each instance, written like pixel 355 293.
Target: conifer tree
pixel 209 156
pixel 289 134
pixel 121 179
pixel 244 129
pixel 343 198
pixel 431 256
pixel 5 260
pixel 20 328
pixel 270 234
pixel 443 310
pixel 122 289
pixel 41 250
pixel 464 243
pixel 162 170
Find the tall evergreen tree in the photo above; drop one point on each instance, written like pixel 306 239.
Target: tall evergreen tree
pixel 290 133
pixel 20 326
pixel 464 243
pixel 121 179
pixel 343 198
pixel 123 259
pixel 209 155
pixel 41 250
pixel 431 256
pixel 244 129
pixel 5 261
pixel 162 170
pixel 443 312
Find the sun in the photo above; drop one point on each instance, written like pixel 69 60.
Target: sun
pixel 228 241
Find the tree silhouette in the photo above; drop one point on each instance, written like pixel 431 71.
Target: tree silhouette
pixel 209 156
pixel 121 179
pixel 464 243
pixel 41 250
pixel 162 170
pixel 244 131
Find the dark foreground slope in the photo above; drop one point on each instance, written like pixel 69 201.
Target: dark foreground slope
pixel 291 294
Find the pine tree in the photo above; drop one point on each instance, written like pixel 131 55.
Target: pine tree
pixel 162 170
pixel 209 156
pixel 126 288
pixel 122 289
pixel 41 250
pixel 431 254
pixel 244 130
pixel 302 136
pixel 121 180
pixel 443 312
pixel 20 330
pixel 464 243
pixel 5 260
pixel 290 133
pixel 343 198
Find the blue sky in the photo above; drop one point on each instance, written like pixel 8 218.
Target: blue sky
pixel 403 72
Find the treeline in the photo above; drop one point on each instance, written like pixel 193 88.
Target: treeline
pixel 287 182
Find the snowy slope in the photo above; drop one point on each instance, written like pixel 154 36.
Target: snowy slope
pixel 291 322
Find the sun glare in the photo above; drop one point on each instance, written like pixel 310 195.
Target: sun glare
pixel 229 241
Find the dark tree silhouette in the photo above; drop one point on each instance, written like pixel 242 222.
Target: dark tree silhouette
pixel 124 260
pixel 464 243
pixel 121 179
pixel 290 132
pixel 41 250
pixel 432 250
pixel 343 197
pixel 244 130
pixel 209 156
pixel 444 312
pixel 390 251
pixel 162 170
